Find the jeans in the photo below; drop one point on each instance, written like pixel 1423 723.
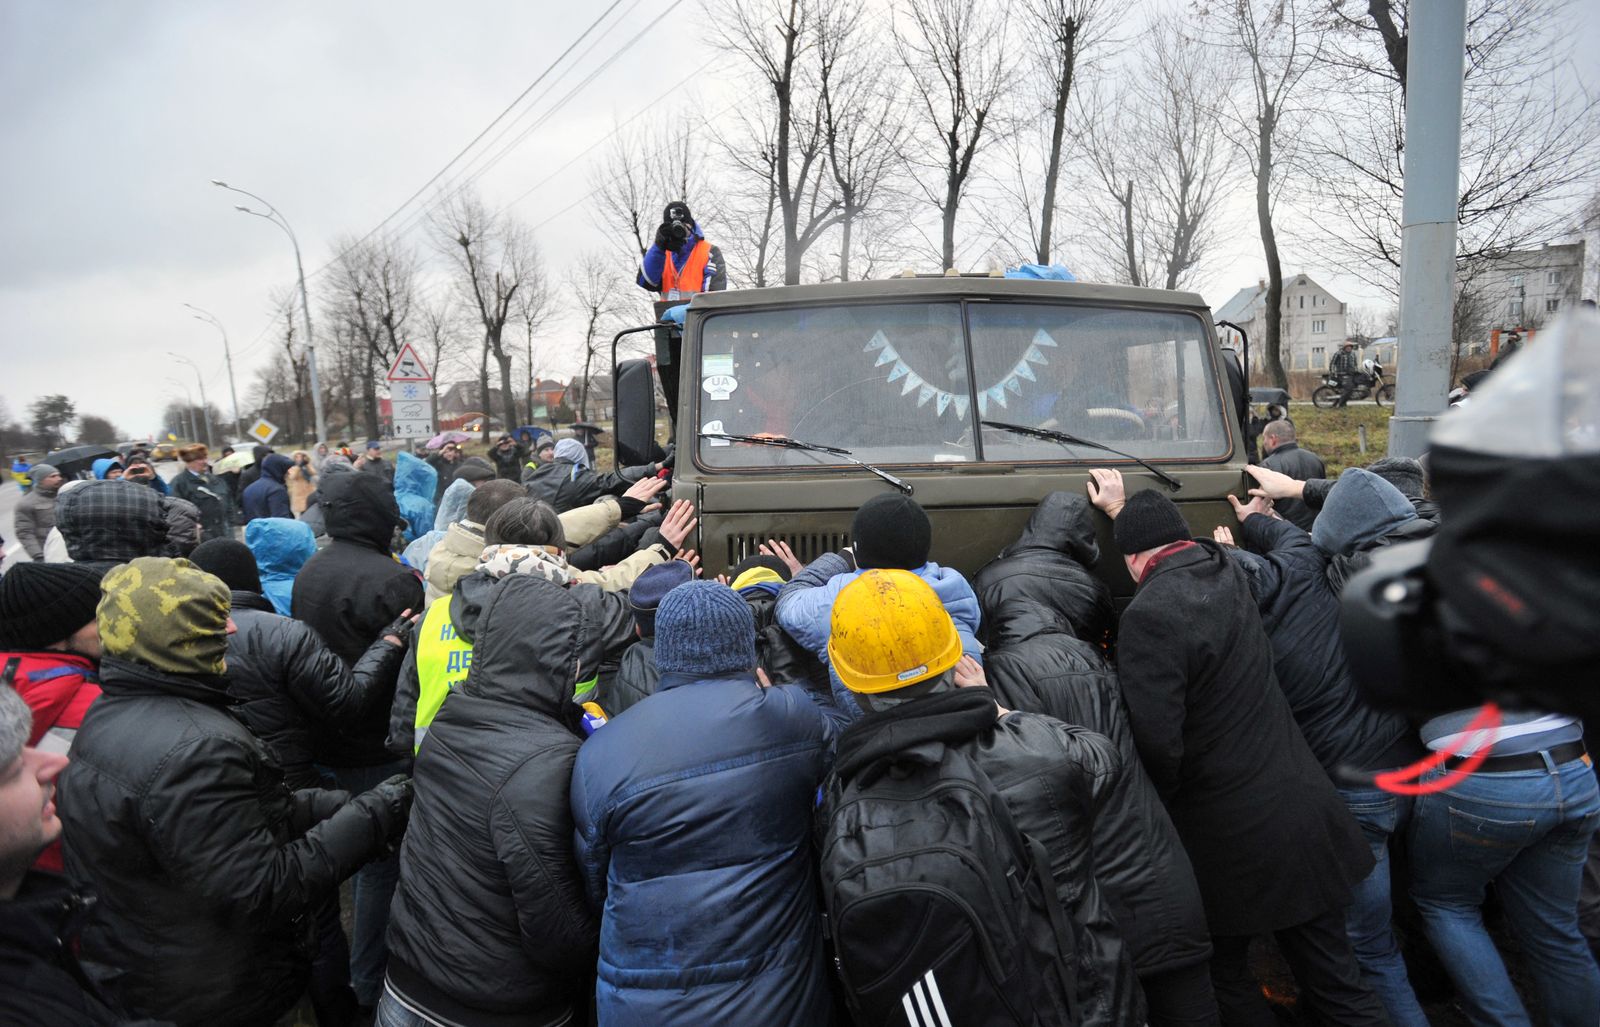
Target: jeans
pixel 1528 832
pixel 1367 921
pixel 1318 952
pixel 373 888
pixel 393 1013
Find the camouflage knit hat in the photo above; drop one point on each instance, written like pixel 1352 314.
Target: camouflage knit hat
pixel 165 613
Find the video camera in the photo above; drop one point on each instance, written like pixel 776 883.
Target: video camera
pixel 1502 604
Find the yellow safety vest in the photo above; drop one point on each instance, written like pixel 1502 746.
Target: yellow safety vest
pixel 443 659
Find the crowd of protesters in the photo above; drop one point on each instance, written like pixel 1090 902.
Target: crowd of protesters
pixel 573 782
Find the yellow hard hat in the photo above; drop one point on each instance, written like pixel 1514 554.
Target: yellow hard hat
pixel 890 631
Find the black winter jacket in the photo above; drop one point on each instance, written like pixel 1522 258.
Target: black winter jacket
pixel 1301 465
pixel 351 591
pixel 206 865
pixel 635 679
pixel 40 979
pixel 1271 842
pixel 268 496
pixel 1035 665
pixel 1300 612
pixel 213 499
pixel 567 486
pixel 285 680
pixel 1050 563
pixel 1055 780
pixel 508 464
pixel 490 923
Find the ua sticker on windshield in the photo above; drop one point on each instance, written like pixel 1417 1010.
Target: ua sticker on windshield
pixel 720 386
pixel 715 428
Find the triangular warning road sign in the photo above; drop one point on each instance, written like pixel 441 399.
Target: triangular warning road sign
pixel 408 367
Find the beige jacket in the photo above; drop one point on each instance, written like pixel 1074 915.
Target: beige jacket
pixel 454 556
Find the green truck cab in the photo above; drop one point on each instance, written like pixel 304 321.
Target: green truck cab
pixel 901 374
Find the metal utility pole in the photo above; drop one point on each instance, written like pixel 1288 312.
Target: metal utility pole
pixel 1437 53
pixel 227 352
pixel 205 405
pixel 305 304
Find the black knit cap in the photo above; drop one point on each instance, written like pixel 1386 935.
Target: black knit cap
pixel 891 530
pixel 231 561
pixel 1149 520
pixel 43 603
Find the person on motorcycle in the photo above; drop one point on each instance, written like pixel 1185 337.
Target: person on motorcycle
pixel 1344 367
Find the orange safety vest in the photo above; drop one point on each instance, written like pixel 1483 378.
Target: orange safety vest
pixel 692 277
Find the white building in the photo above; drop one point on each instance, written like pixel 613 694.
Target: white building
pixel 1313 323
pixel 1526 288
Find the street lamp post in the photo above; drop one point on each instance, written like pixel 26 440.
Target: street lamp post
pixel 205 405
pixel 233 390
pixel 188 398
pixel 305 305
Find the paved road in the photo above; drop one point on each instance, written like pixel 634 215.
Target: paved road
pixel 10 493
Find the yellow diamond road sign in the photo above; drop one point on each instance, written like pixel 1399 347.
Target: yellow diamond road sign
pixel 264 430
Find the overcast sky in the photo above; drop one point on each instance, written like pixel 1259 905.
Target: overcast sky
pixel 118 114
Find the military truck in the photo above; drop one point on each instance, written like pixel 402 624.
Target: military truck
pixel 791 406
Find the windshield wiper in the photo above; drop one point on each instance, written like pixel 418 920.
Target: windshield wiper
pixel 784 442
pixel 1073 440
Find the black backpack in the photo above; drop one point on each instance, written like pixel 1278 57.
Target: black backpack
pixel 941 912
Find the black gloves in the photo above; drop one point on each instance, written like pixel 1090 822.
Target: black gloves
pixel 631 507
pixel 388 804
pixel 664 237
pixel 400 628
pixel 314 805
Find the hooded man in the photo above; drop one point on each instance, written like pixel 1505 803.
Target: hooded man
pixel 349 593
pixel 696 845
pixel 41 980
pixel 1045 620
pixel 268 495
pixel 280 547
pixel 1402 472
pixel 414 485
pixel 50 653
pixel 107 468
pixel 250 475
pixel 502 901
pixel 35 512
pixel 206 864
pixel 569 481
pixel 889 531
pixel 681 262
pixel 1273 847
pixel 110 522
pixel 1299 607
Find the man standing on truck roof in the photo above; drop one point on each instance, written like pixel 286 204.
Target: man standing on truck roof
pixel 681 262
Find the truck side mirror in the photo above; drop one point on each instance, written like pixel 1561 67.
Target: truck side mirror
pixel 635 432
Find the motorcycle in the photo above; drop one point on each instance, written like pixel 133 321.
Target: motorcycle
pixel 1370 382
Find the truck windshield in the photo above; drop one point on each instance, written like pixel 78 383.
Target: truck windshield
pixel 890 383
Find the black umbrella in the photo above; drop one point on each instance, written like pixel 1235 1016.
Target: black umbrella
pixel 74 460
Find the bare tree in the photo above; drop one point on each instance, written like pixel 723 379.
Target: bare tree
pixel 296 369
pixel 534 308
pixel 1158 166
pixel 752 228
pixel 863 120
pixel 371 291
pixel 1530 134
pixel 776 38
pixel 956 52
pixel 1278 42
pixel 439 318
pixel 494 259
pixel 1060 34
pixel 592 285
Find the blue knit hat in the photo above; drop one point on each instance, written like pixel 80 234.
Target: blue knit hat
pixel 703 627
pixel 651 587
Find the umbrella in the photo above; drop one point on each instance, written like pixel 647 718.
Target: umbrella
pixel 74 460
pixel 238 460
pixel 438 441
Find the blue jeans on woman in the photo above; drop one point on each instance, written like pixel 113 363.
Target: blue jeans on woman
pixel 1528 832
pixel 1381 815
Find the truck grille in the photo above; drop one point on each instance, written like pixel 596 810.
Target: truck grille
pixel 806 546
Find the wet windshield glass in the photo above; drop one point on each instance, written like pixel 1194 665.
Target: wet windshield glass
pixel 886 382
pixel 889 383
pixel 1137 380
